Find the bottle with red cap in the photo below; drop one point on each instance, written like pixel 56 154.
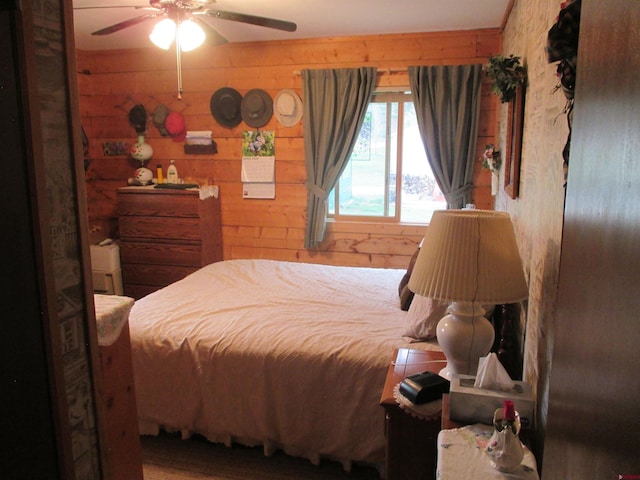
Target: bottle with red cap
pixel 504 447
pixel 509 418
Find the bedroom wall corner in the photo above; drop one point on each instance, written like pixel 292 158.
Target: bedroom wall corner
pixel 537 212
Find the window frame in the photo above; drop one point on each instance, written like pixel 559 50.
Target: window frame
pixel 400 95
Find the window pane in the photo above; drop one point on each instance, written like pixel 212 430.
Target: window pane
pixel 362 185
pixel 420 193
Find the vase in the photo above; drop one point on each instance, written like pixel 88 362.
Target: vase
pixel 494 183
pixel 141 150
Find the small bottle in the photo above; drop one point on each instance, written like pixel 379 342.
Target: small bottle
pixel 504 447
pixel 510 419
pixel 172 173
pixel 159 174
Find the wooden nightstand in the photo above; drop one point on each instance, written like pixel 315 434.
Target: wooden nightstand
pixel 411 442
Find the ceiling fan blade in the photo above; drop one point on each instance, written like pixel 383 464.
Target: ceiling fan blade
pixel 127 23
pixel 253 20
pixel 213 36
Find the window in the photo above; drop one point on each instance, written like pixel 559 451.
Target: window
pixel 388 177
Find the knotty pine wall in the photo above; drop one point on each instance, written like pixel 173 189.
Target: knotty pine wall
pixel 111 82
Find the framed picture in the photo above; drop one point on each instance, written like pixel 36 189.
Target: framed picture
pixel 514 143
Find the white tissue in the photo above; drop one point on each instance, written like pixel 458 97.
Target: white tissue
pixel 492 375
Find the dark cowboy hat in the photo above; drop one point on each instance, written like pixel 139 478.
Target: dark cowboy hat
pixel 225 107
pixel 256 108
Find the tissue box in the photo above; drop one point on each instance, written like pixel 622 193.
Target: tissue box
pixel 468 404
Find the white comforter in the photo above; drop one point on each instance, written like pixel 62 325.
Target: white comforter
pixel 287 355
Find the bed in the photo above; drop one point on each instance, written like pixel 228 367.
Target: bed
pixel 291 356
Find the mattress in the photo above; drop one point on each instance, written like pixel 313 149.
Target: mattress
pixel 291 356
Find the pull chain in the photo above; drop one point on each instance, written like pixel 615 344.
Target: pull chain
pixel 179 63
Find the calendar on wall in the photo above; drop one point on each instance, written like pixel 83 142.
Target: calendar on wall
pixel 258 164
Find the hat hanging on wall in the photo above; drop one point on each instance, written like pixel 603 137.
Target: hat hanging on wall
pixel 287 107
pixel 225 107
pixel 256 108
pixel 159 117
pixel 176 127
pixel 138 118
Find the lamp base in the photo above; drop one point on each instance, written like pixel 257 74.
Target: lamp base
pixel 465 335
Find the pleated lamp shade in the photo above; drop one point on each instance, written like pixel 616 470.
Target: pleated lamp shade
pixel 470 256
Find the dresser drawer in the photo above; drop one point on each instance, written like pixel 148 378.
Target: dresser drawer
pixel 161 254
pixel 161 228
pixel 154 275
pixel 155 203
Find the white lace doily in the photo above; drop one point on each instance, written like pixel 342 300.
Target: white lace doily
pixel 208 191
pixel 424 411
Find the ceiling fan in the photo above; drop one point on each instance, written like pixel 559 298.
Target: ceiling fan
pixel 183 12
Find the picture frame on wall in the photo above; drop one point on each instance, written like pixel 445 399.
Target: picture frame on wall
pixel 514 143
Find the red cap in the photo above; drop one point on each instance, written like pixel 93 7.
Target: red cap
pixel 175 126
pixel 509 411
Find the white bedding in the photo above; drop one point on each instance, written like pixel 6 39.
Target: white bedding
pixel 286 355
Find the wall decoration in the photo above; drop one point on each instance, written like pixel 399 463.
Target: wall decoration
pixel 515 124
pixel 115 148
pixel 508 80
pixel 562 47
pixel 258 164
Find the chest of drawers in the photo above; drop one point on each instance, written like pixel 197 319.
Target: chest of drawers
pixel 164 236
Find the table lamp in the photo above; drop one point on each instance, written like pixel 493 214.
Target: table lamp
pixel 469 258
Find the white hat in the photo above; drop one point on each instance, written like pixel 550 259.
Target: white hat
pixel 287 107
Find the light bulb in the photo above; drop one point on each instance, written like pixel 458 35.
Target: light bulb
pixel 163 33
pixel 191 35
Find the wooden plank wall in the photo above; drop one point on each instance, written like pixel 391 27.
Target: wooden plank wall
pixel 111 82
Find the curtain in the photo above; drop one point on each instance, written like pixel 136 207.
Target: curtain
pixel 335 104
pixel 447 103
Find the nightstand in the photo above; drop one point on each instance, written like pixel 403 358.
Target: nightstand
pixel 461 452
pixel 410 441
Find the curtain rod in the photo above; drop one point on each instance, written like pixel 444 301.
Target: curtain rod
pixel 381 71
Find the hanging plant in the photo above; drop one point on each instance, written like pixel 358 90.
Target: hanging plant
pixel 506 74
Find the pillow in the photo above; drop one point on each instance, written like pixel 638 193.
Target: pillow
pixel 405 294
pixel 423 317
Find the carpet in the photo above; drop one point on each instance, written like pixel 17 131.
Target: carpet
pixel 168 457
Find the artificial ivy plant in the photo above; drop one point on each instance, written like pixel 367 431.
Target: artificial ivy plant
pixel 505 73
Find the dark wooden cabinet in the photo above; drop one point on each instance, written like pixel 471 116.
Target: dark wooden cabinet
pixel 165 235
pixel 411 442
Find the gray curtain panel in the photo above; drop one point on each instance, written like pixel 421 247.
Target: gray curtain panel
pixel 447 102
pixel 335 104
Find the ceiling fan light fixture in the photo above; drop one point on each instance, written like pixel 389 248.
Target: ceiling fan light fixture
pixel 163 33
pixel 190 35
